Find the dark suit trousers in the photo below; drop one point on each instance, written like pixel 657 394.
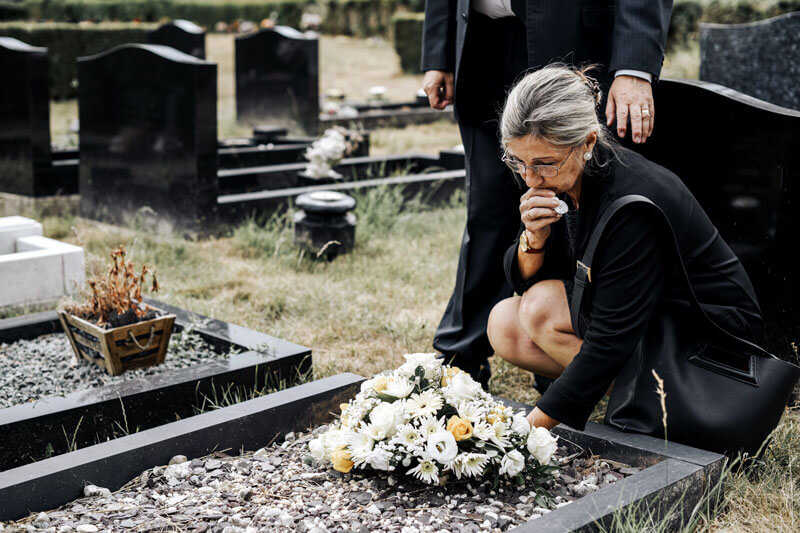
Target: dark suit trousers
pixel 494 57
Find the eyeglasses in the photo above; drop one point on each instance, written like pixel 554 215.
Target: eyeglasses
pixel 545 171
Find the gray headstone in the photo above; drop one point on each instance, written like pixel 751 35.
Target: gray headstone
pixel 760 59
pixel 24 117
pixel 148 136
pixel 277 77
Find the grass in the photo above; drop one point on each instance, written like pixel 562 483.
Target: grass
pixel 360 312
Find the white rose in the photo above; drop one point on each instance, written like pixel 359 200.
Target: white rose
pixel 428 361
pixel 541 445
pixel 442 447
pixel 462 388
pixel 378 459
pixel 512 463
pixel 317 449
pixel 386 417
pixel 332 439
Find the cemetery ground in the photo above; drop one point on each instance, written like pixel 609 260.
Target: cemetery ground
pixel 360 312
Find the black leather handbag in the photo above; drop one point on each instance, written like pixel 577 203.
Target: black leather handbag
pixel 723 393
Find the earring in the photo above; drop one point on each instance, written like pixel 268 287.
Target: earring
pixel 587 155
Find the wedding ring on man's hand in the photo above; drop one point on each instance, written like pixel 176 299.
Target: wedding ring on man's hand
pixel 645 112
pixel 561 208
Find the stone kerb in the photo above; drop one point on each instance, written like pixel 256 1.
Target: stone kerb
pixel 27 429
pixel 756 58
pixel 35 269
pixel 148 136
pixel 672 476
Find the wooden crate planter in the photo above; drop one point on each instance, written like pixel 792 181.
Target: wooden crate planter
pixel 123 348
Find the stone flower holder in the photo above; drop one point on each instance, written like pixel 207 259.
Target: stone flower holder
pixel 122 348
pixel 324 226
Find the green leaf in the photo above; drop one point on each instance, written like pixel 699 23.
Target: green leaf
pixel 388 398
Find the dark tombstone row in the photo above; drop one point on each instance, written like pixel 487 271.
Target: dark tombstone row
pixel 24 117
pixel 739 157
pixel 182 35
pixel 277 78
pixel 148 116
pixel 760 59
pixel 27 165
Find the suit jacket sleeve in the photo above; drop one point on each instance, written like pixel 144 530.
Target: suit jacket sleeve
pixel 640 34
pixel 439 35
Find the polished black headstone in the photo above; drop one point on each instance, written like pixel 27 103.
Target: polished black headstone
pixel 148 136
pixel 739 157
pixel 277 78
pixel 24 117
pixel 760 59
pixel 182 35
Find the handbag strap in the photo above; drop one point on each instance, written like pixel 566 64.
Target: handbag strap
pixel 583 274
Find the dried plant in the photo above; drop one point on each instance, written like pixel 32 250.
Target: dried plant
pixel 116 299
pixel 662 395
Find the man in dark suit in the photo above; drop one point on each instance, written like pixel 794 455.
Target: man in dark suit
pixel 472 52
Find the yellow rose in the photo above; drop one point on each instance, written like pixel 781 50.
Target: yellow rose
pixel 341 460
pixel 448 374
pixel 461 428
pixel 380 384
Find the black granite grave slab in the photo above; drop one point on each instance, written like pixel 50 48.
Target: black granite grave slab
pixel 277 77
pixel 247 425
pixel 758 58
pixel 181 35
pixel 681 475
pixel 95 414
pixel 24 118
pixel 272 177
pixel 745 172
pixel 434 188
pixel 148 136
pixel 388 118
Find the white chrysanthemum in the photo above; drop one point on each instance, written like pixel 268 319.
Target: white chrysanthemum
pixel 472 411
pixel 500 438
pixel 408 435
pixel 359 443
pixel 512 463
pixel 470 464
pixel 334 438
pixel 426 470
pixel 379 459
pixel 442 447
pixel 520 424
pixel 483 431
pixel 399 387
pixel 425 403
pixel 430 425
pixel 373 431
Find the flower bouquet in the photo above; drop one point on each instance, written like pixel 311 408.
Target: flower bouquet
pixel 434 422
pixel 327 152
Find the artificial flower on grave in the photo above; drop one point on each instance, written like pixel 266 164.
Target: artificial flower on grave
pixel 435 423
pixel 328 151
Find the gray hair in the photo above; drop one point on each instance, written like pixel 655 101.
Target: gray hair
pixel 557 104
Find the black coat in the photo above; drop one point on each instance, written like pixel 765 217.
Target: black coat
pixel 633 275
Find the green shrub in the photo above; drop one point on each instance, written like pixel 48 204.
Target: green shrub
pixel 67 42
pixel 13 10
pixel 407 31
pixel 360 18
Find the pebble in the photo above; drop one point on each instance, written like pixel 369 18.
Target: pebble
pixel 248 494
pixel 46 366
pixel 178 459
pixel 91 491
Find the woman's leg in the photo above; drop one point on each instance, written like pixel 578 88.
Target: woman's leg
pixel 534 331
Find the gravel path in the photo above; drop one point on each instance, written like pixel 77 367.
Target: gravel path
pixel 279 489
pixel 45 366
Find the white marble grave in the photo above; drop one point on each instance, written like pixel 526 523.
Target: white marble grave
pixel 33 268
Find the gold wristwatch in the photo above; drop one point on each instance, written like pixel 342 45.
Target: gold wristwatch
pixel 527 248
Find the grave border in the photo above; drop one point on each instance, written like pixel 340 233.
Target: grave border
pixel 263 358
pixel 673 472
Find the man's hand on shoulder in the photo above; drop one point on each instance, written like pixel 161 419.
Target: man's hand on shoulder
pixel 632 97
pixel 438 85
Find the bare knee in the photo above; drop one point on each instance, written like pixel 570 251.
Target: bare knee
pixel 503 328
pixel 538 309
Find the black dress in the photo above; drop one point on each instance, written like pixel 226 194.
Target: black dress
pixel 633 275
